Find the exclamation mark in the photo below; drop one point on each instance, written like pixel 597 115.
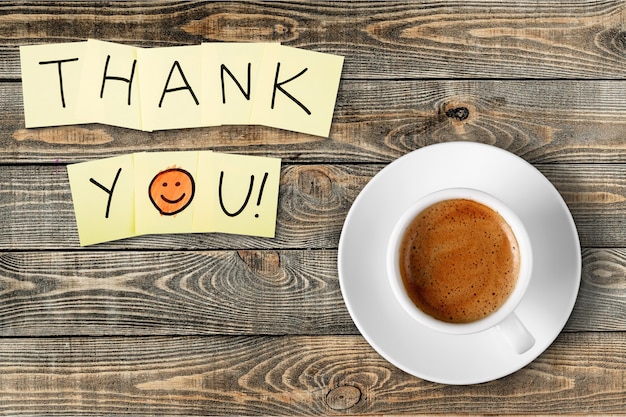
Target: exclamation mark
pixel 258 201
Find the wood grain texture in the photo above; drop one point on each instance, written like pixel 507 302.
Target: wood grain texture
pixel 213 324
pixel 541 121
pixel 171 293
pixel 421 39
pixel 313 203
pixel 245 292
pixel 600 305
pixel 580 373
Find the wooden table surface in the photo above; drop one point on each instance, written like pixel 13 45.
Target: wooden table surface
pixel 211 324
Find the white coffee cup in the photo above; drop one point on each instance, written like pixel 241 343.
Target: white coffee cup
pixel 504 318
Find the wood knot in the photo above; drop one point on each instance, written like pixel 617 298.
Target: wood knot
pixel 315 182
pixel 620 40
pixel 281 30
pixel 459 113
pixel 265 263
pixel 343 397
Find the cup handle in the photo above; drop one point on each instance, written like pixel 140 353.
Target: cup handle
pixel 516 333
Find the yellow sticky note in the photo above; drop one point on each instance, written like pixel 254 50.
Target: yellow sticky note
pixel 50 82
pixel 109 87
pixel 298 90
pixel 231 73
pixel 238 194
pixel 165 191
pixel 102 192
pixel 171 87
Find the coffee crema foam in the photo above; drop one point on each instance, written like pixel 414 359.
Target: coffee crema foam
pixel 459 260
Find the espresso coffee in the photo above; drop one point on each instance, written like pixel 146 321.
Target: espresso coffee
pixel 459 260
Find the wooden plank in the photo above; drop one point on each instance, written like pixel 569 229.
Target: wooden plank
pixel 37 212
pixel 245 292
pixel 454 39
pixel 164 293
pixel 579 373
pixel 542 121
pixel 596 197
pixel 600 305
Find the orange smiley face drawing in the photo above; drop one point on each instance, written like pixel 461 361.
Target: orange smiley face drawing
pixel 171 191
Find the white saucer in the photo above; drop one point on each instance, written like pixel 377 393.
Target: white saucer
pixel 418 350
